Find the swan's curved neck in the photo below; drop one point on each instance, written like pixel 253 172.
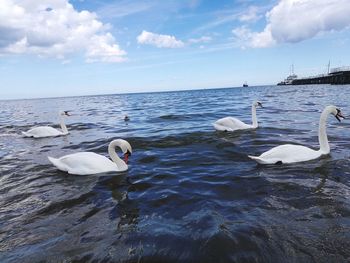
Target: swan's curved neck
pixel 322 132
pixel 63 125
pixel 254 119
pixel 114 156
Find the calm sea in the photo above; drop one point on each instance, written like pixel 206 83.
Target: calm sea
pixel 191 194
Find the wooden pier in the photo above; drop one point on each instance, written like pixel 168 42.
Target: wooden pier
pixel 337 76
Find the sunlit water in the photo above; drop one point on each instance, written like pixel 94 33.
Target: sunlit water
pixel 191 194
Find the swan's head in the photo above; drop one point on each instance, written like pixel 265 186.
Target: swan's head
pixel 258 104
pixel 65 113
pixel 337 113
pixel 126 149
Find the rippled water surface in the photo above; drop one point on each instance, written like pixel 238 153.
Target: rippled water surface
pixel 191 194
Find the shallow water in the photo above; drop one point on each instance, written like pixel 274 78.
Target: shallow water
pixel 191 194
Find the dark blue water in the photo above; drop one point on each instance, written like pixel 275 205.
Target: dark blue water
pixel 191 194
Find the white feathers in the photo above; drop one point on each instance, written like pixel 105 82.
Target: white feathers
pixel 84 163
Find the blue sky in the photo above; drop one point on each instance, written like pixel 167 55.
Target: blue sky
pixel 64 48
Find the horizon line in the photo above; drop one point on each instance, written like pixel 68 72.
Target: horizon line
pixel 126 93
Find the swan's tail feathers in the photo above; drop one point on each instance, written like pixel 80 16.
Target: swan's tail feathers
pixel 216 126
pixel 57 163
pixel 257 159
pixel 26 134
pixel 220 127
pixel 260 160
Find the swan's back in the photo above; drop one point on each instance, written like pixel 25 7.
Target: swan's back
pixel 230 124
pixel 83 163
pixel 287 153
pixel 43 131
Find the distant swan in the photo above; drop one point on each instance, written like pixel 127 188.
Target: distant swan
pixel 84 163
pixel 289 153
pixel 233 124
pixel 47 131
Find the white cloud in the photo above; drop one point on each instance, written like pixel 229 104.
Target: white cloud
pixel 160 41
pixel 103 48
pixel 246 38
pixel 124 8
pixel 297 20
pixel 292 21
pixel 55 29
pixel 203 39
pixel 251 15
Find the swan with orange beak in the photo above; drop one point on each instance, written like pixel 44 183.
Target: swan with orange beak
pixel 84 163
pixel 290 153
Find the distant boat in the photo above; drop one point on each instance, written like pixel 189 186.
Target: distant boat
pixel 289 80
pixel 245 84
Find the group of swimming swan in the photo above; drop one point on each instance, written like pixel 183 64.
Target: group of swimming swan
pixel 286 153
pixel 84 163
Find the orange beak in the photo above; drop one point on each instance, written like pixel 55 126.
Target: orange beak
pixel 126 157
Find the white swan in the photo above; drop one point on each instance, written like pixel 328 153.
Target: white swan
pixel 233 124
pixel 47 131
pixel 83 163
pixel 289 153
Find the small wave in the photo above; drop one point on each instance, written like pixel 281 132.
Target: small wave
pixel 173 117
pixel 191 194
pixel 9 135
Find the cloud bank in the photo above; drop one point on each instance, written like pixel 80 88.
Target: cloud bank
pixel 292 21
pixel 160 41
pixel 55 29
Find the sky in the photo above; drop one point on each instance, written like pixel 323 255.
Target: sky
pixel 83 47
